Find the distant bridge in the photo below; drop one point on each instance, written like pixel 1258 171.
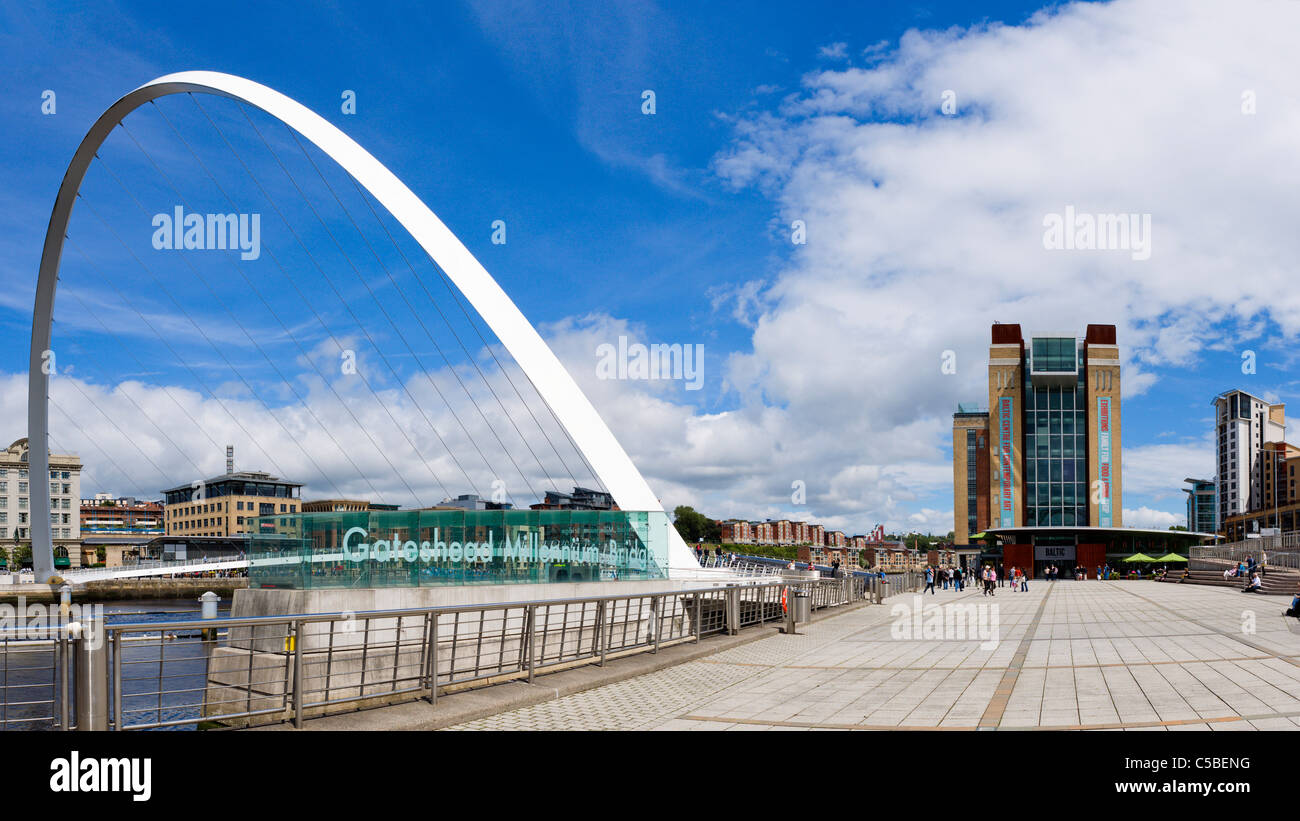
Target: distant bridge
pixel 152 568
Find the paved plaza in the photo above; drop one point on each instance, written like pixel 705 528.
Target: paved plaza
pixel 1132 655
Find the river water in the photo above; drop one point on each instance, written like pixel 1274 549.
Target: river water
pixel 29 688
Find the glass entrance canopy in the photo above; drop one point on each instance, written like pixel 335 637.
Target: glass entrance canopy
pixel 430 548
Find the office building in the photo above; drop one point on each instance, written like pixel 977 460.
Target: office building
pixel 224 506
pixel 1202 507
pixel 16 487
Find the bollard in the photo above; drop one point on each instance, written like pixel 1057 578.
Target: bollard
pixel 208 610
pixel 91 682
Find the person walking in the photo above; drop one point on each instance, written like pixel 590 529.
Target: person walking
pixel 1263 563
pixel 1024 585
pixel 929 580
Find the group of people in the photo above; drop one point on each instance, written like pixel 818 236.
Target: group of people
pixel 1015 578
pixel 703 554
pixel 988 578
pixel 1247 568
pixel 944 575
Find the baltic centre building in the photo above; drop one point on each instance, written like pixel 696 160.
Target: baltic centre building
pixel 1038 471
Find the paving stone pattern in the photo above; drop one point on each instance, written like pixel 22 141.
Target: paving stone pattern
pixel 1092 655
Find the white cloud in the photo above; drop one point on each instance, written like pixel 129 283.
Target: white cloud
pixel 1161 468
pixel 833 51
pixel 1148 519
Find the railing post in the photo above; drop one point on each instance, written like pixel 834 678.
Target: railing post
pixel 431 669
pixel 295 628
pixel 600 629
pixel 531 632
pixel 117 681
pixel 733 610
pixel 62 662
pixel 654 620
pixel 699 628
pixel 92 676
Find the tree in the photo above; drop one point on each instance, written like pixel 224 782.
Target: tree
pixel 691 524
pixel 1178 527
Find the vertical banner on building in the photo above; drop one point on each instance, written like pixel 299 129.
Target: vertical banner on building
pixel 1006 512
pixel 1103 460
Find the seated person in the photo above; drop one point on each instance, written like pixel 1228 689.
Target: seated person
pixel 1294 610
pixel 1254 585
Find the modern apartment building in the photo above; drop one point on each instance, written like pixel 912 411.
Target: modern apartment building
pixel 16 488
pixel 1244 425
pixel 1202 507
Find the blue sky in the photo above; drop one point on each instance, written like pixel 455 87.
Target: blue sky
pixel 820 361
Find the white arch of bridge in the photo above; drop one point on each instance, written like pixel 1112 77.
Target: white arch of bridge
pixel 571 407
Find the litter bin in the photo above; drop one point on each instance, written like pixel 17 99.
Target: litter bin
pixel 801 607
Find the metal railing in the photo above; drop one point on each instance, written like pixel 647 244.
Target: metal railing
pixel 35 669
pixel 238 672
pixel 1217 556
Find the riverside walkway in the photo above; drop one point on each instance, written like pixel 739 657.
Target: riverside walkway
pixel 1126 655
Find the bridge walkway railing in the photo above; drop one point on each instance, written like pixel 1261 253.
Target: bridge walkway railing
pixel 239 672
